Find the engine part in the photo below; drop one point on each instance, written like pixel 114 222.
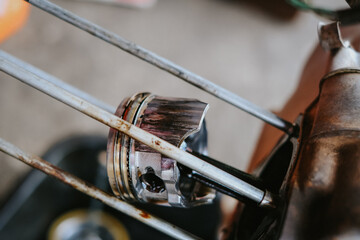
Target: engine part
pixel 139 173
pixel 324 200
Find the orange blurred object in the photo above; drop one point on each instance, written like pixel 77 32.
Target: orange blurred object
pixel 13 14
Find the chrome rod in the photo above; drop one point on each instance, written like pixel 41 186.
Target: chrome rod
pixel 165 65
pixel 94 192
pixel 39 82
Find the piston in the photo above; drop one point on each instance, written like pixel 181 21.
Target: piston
pixel 136 172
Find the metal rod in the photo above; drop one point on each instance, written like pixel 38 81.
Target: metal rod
pixel 94 192
pixel 40 82
pixel 165 65
pixel 59 83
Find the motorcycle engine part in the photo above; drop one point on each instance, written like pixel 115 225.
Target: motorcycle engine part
pixel 138 173
pixel 328 170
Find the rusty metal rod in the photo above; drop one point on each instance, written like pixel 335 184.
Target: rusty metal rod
pixel 165 65
pixel 239 186
pixel 94 192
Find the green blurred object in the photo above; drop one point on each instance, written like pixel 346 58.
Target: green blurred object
pixel 344 16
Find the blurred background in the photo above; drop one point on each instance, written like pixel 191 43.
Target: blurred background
pixel 234 43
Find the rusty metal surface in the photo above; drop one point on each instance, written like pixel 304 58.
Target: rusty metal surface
pixel 325 196
pixel 94 192
pixel 339 105
pixel 330 36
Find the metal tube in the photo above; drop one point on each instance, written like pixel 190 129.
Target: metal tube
pixel 59 83
pixel 39 82
pixel 94 192
pixel 165 65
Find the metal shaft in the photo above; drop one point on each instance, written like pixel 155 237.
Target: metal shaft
pixel 60 83
pixel 39 82
pixel 94 192
pixel 164 64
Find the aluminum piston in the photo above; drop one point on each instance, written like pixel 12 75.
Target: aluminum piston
pixel 136 172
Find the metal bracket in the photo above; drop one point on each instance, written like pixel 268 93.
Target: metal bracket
pixel 330 36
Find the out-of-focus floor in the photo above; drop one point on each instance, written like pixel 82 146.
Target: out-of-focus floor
pixel 250 53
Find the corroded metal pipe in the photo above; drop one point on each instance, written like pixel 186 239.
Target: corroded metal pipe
pixel 94 192
pixel 165 65
pixel 261 197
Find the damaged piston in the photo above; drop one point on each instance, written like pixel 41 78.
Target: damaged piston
pixel 138 173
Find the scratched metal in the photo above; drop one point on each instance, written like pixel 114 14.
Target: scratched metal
pixel 94 192
pixel 165 65
pixel 171 119
pixel 174 119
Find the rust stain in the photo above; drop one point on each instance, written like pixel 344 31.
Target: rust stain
pixel 121 124
pixel 157 142
pixel 145 215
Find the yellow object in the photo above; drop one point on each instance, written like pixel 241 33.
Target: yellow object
pixel 13 14
pixel 73 222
